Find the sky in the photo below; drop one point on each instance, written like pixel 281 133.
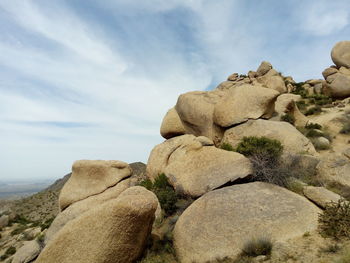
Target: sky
pixel 84 79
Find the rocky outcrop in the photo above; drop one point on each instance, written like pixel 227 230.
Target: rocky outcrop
pixel 196 110
pixel 114 232
pixel 320 195
pixel 172 125
pixel 218 224
pixel 270 78
pixel 91 178
pixel 341 54
pixel 292 140
pixel 258 101
pixel 27 253
pixel 194 166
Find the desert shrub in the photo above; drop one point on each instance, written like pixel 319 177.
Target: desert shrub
pixel 301 105
pixel 257 247
pixel 18 230
pixel 243 76
pixel 319 99
pixel 335 220
pixel 260 146
pixel 10 251
pixel 313 126
pixel 346 128
pixel 165 193
pixel 226 146
pixel 288 118
pixel 298 89
pixel 47 223
pixel 313 110
pixel 20 220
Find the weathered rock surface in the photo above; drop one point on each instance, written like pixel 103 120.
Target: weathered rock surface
pixel 335 168
pixel 264 68
pixel 79 208
pixel 27 253
pixel 218 224
pixel 114 232
pixel 285 104
pixel 320 195
pixel 91 178
pixel 272 80
pixel 292 140
pixel 196 110
pixel 338 85
pixel 172 125
pixel 329 71
pixel 341 54
pixel 4 221
pixel 194 166
pixel 258 102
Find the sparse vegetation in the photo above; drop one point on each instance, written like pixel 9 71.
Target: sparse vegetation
pixel 299 90
pixel 257 247
pixel 226 146
pixel 319 99
pixel 313 110
pixel 288 118
pixel 313 126
pixel 164 191
pixel 335 220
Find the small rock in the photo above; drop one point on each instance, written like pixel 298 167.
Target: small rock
pixel 320 195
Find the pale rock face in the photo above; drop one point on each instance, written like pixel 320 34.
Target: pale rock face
pixel 264 68
pixel 28 252
pixel 218 224
pixel 91 178
pixel 338 85
pixel 335 168
pixel 273 80
pixel 258 102
pixel 329 71
pixel 320 195
pixel 194 166
pixel 4 221
pixel 114 232
pixel 79 208
pixel 233 77
pixel 292 140
pixel 171 125
pixel 341 54
pixel 196 110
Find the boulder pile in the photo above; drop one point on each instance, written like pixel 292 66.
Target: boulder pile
pixel 107 215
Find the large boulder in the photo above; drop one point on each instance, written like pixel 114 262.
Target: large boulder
pixel 80 207
pixel 273 80
pixel 338 85
pixel 341 54
pixel 218 224
pixel 292 140
pixel 329 71
pixel 172 125
pixel 264 68
pixel 27 253
pixel 196 110
pixel 335 169
pixel 114 232
pixel 285 104
pixel 194 166
pixel 91 178
pixel 258 102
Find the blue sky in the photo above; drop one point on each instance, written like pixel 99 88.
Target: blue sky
pixel 85 79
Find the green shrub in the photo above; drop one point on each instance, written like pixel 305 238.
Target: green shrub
pixel 20 220
pixel 252 146
pixel 226 146
pixel 288 118
pixel 335 220
pixel 165 193
pixel 301 104
pixel 313 126
pixel 18 230
pixel 47 223
pixel 10 251
pixel 298 89
pixel 313 110
pixel 346 128
pixel 319 99
pixel 257 247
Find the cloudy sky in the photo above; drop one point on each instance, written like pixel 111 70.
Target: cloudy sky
pixel 84 79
